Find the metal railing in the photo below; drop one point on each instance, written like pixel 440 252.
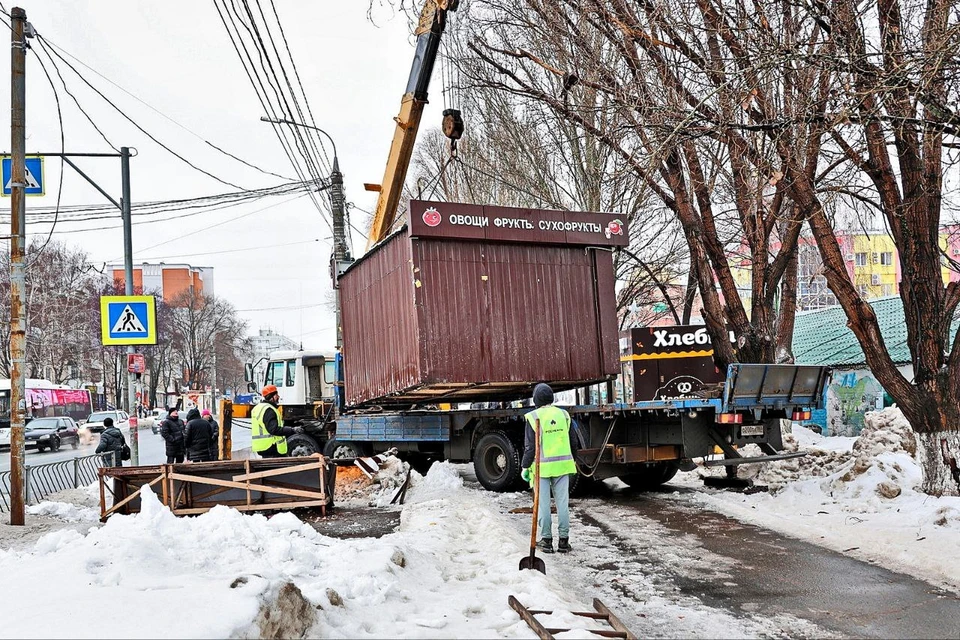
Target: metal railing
pixel 39 481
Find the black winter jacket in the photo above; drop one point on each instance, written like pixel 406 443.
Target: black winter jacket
pixel 112 440
pixel 198 438
pixel 215 440
pixel 171 430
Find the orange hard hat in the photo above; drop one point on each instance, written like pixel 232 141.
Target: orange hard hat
pixel 269 389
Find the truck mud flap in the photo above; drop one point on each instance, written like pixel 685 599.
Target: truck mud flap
pixel 733 462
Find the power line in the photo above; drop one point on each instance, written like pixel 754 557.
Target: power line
pixel 166 117
pixel 249 67
pixel 56 214
pixel 213 253
pixel 137 125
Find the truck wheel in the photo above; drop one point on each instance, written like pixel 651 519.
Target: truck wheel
pixel 496 462
pixel 651 476
pixel 340 449
pixel 301 445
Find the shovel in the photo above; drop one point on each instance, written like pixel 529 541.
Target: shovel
pixel 532 561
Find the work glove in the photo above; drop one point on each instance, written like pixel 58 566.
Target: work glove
pixel 527 475
pixel 298 430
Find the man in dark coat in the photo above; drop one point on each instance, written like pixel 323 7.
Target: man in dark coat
pixel 198 438
pixel 171 430
pixel 111 440
pixel 215 441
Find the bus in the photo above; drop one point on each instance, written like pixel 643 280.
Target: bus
pixel 45 399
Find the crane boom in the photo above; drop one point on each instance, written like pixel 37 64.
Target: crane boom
pixel 433 19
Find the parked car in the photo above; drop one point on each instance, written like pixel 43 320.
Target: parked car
pixel 4 437
pixel 159 415
pixel 95 421
pixel 50 433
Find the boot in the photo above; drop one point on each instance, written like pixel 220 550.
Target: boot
pixel 545 545
pixel 564 545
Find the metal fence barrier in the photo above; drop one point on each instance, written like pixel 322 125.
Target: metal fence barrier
pixel 39 481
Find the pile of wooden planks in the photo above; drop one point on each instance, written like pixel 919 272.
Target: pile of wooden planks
pixel 246 485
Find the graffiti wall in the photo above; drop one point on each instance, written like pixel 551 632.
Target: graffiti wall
pixel 850 395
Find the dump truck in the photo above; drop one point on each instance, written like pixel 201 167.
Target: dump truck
pixel 450 322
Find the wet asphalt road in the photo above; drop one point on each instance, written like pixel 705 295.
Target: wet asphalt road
pixel 780 575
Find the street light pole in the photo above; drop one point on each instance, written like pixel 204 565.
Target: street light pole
pixel 341 251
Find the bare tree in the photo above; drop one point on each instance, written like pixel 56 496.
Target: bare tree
pixel 749 119
pixel 63 317
pixel 198 325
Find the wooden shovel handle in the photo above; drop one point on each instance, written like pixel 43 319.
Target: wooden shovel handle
pixel 536 487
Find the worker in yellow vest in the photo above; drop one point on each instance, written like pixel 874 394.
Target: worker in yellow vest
pixel 557 465
pixel 268 435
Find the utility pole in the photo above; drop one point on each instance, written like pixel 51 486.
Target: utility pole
pixel 18 274
pixel 130 379
pixel 341 252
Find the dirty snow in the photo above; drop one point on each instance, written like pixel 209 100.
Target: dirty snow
pixel 448 569
pixel 859 496
pixel 447 572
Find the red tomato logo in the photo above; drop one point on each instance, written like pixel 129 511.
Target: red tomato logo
pixel 432 217
pixel 615 228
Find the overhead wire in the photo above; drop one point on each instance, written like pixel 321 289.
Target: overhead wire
pixel 136 124
pixel 222 251
pixel 320 153
pixel 167 117
pixel 249 67
pixel 56 215
pixel 43 47
pixel 296 72
pixel 306 148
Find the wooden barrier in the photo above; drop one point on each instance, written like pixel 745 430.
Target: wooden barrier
pixel 269 484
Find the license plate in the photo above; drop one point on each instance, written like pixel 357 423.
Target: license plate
pixel 752 430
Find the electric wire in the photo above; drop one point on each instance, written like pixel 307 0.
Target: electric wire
pixel 56 215
pixel 249 67
pixel 296 72
pixel 43 47
pixel 293 94
pixel 167 117
pixel 306 148
pixel 222 251
pixel 136 124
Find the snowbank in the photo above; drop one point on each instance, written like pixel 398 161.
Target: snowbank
pixel 446 573
pixel 856 495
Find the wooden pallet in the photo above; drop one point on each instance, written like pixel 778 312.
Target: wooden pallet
pixel 618 629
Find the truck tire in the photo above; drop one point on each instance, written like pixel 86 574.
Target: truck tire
pixel 496 462
pixel 651 476
pixel 301 445
pixel 341 449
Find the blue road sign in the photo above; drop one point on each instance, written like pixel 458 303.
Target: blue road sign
pixel 128 320
pixel 34 175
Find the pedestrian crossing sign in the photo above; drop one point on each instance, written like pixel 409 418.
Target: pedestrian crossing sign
pixel 127 320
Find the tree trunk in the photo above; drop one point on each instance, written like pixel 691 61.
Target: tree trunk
pixel 938 453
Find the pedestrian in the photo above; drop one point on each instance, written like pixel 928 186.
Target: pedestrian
pixel 268 435
pixel 557 465
pixel 215 442
pixel 112 441
pixel 171 430
pixel 198 437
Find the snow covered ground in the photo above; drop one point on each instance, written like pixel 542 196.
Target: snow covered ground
pixel 859 496
pixel 448 569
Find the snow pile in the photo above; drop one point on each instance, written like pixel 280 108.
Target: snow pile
pixel 66 511
pixel 446 573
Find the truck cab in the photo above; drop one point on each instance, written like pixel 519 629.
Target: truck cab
pixel 306 381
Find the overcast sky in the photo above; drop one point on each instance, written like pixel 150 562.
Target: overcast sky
pixel 176 57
